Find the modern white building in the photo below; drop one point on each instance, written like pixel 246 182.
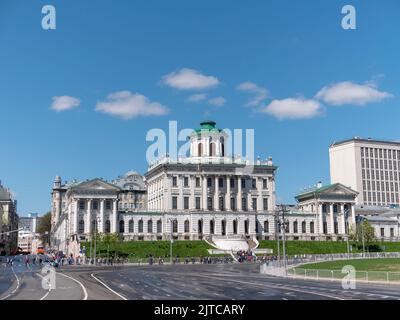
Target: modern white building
pixel 370 167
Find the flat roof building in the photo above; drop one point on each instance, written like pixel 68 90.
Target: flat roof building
pixel 370 167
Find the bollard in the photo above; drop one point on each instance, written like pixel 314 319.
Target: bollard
pixel 332 275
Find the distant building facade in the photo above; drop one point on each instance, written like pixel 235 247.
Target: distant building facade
pixel 28 238
pixel 370 167
pixel 8 222
pixel 81 208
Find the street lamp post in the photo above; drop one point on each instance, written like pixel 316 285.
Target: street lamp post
pixel 278 226
pixel 170 240
pixel 284 223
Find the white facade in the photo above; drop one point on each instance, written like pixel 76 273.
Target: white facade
pixel 370 167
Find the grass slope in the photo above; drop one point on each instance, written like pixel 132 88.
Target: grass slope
pixel 384 264
pixel 321 247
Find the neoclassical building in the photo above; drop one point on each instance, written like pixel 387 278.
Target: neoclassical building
pixel 8 222
pixel 209 195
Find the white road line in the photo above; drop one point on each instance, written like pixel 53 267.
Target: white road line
pixel 85 294
pixel 17 287
pixel 119 295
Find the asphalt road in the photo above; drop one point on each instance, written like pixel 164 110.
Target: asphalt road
pixel 209 282
pixel 193 282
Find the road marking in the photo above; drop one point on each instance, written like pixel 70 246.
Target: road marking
pixel 85 294
pixel 119 295
pixel 17 287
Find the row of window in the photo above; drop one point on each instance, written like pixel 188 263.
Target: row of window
pixel 95 204
pixel 380 164
pixel 383 232
pixel 335 207
pixel 379 175
pixel 221 204
pixel 221 182
pixel 372 185
pixel 186 228
pixel 380 153
pixel 373 197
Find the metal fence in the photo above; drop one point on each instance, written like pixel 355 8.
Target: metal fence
pixel 323 274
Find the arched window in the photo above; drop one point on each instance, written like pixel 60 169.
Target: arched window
pixel 108 226
pixel 200 225
pixel 175 226
pixel 131 226
pixel 122 226
pixel 312 227
pixel 212 149
pixel 303 227
pixel 235 229
pixel 222 141
pixel 223 227
pixel 186 226
pixel 295 227
pixel 81 227
pixel 246 226
pixel 140 226
pixel 150 226
pixel 212 227
pixel 159 226
pixel 266 226
pixel 200 149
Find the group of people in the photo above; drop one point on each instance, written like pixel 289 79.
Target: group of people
pixel 245 256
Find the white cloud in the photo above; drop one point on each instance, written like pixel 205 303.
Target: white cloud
pixel 293 108
pixel 217 101
pixel 63 103
pixel 197 97
pixel 259 93
pixel 128 105
pixel 189 79
pixel 351 93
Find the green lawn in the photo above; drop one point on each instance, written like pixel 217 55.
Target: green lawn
pixel 322 247
pixel 384 264
pixel 142 249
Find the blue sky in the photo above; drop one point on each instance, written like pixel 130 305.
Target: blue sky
pixel 161 53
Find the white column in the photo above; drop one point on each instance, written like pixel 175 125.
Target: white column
pixel 88 224
pixel 204 192
pixel 101 225
pixel 320 228
pixel 353 215
pixel 342 220
pixel 331 219
pixel 192 200
pixel 260 196
pixel 239 194
pixel 228 194
pixel 76 216
pixel 216 197
pixel 114 217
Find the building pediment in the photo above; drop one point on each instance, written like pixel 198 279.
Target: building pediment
pixel 95 185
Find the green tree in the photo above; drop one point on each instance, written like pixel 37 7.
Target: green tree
pixel 44 227
pixel 364 230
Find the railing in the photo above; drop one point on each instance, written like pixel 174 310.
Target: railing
pixel 325 274
pixel 276 268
